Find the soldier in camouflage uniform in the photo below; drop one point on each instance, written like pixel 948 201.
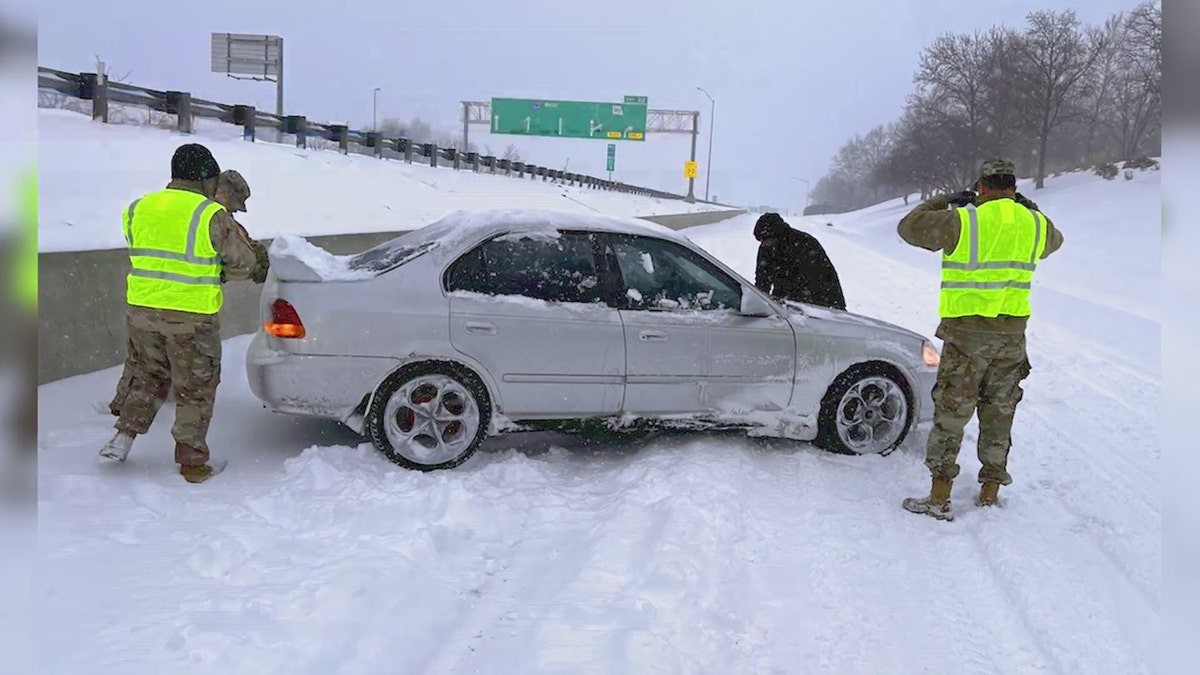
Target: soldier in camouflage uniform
pixel 984 313
pixel 180 347
pixel 232 193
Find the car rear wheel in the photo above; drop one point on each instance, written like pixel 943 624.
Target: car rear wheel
pixel 429 416
pixel 867 411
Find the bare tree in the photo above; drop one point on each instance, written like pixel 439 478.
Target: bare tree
pixel 1102 79
pixel 1143 44
pixel 1056 57
pixel 952 81
pixel 1002 102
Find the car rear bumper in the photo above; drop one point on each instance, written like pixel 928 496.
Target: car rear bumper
pixel 311 386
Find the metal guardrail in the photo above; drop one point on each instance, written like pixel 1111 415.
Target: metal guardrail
pixel 90 87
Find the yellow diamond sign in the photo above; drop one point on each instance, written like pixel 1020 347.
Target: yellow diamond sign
pixel 691 169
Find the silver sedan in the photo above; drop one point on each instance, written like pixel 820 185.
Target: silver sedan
pixel 494 321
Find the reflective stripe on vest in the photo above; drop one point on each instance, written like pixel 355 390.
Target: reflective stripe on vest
pixel 171 253
pixel 990 271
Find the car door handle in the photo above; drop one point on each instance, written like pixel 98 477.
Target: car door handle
pixel 480 328
pixel 652 336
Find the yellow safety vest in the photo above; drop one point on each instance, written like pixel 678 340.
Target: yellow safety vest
pixel 990 271
pixel 174 263
pixel 26 267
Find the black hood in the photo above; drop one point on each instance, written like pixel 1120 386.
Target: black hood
pixel 770 226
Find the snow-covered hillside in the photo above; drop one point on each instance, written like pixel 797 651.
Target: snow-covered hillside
pixel 684 554
pixel 92 171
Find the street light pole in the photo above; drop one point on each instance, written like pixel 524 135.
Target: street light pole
pixel 804 205
pixel 708 166
pixel 375 110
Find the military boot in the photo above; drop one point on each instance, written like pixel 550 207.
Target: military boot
pixel 989 494
pixel 198 473
pixel 118 447
pixel 936 505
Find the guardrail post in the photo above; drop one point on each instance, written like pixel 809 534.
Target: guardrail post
pixel 245 115
pixel 179 103
pixel 407 148
pixel 95 87
pixel 375 142
pixel 457 157
pixel 431 151
pixel 297 125
pixel 340 133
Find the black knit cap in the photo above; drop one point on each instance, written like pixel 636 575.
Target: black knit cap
pixel 194 162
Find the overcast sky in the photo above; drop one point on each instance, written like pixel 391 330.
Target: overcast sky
pixel 792 80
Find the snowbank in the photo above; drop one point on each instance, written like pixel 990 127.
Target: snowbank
pixel 91 171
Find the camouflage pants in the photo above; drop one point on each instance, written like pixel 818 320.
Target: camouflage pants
pixel 118 400
pixel 980 373
pixel 184 354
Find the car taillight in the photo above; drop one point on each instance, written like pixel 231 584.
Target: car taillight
pixel 285 321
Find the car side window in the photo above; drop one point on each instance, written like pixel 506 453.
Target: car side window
pixel 660 274
pixel 554 267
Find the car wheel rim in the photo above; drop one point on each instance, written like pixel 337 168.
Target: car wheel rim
pixel 431 419
pixel 871 415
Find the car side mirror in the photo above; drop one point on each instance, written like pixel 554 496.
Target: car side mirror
pixel 754 305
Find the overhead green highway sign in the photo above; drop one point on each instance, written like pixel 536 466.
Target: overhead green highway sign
pixel 624 121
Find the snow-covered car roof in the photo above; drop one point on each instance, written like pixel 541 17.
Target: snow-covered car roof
pixel 472 224
pixel 295 259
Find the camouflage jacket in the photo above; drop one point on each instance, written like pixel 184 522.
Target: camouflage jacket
pixel 237 257
pixel 932 226
pixel 262 262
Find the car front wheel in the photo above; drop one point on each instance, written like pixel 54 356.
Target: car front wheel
pixel 867 411
pixel 429 416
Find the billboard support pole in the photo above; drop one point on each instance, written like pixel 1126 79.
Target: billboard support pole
pixel 279 83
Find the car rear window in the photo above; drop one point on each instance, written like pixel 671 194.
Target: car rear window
pixel 388 255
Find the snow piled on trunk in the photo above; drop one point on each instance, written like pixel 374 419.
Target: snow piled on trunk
pixel 686 553
pixel 296 259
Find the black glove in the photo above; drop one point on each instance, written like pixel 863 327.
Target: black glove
pixel 961 199
pixel 1024 201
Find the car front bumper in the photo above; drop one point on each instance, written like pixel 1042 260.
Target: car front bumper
pixel 924 378
pixel 311 386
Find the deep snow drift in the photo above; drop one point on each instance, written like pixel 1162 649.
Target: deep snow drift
pixel 682 554
pixel 98 169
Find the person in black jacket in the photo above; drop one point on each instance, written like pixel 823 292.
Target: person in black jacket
pixel 792 265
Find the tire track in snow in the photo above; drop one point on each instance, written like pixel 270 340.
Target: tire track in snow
pixel 1117 548
pixel 1051 619
pixel 500 630
pixel 954 593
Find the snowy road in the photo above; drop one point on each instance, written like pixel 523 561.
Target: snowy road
pixel 682 554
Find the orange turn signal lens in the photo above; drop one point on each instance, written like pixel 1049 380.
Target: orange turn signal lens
pixel 284 330
pixel 931 356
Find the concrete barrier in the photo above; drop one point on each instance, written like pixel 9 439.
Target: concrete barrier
pixel 81 299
